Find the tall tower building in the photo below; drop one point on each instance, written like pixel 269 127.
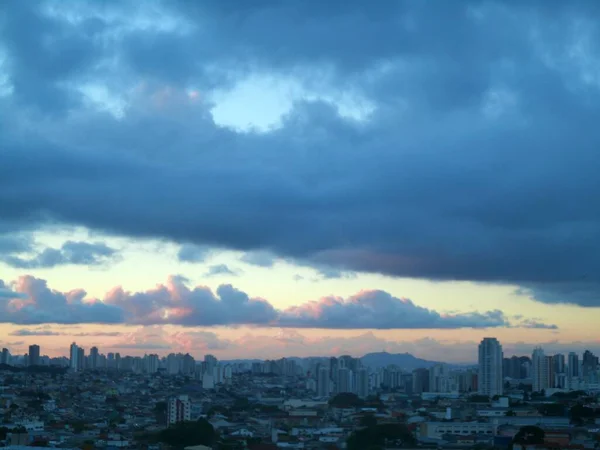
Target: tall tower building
pixel 344 381
pixel 34 355
pixel 362 382
pixel 540 373
pixel 323 385
pixel 211 363
pixel 94 358
pixel 420 380
pixel 73 357
pixel 5 356
pixel 572 369
pixel 80 358
pixel 490 380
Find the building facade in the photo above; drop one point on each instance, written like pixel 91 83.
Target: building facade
pixel 490 380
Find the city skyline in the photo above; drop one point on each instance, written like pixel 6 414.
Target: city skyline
pixel 574 361
pixel 291 186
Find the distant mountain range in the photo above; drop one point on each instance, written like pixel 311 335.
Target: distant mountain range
pixel 404 361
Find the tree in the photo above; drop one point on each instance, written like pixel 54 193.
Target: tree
pixel 379 436
pixel 529 435
pixel 479 398
pixel 552 409
pixel 368 420
pixel 579 414
pixel 184 434
pixel 346 400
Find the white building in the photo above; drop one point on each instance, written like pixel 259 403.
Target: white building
pixel 539 370
pixel 490 380
pixel 74 357
pixel 435 430
pixel 179 409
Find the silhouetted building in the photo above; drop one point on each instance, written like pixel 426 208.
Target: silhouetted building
pixel 34 355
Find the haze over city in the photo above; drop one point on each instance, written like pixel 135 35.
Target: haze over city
pixel 269 179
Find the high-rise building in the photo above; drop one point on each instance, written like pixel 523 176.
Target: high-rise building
pixel 211 362
pixel 80 358
pixel 34 355
pixel 152 363
pixel 188 364
pixel 323 382
pixel 490 381
pixel 559 372
pixel 362 382
pixel 572 368
pixel 173 364
pixel 179 409
pixel 344 380
pixel 420 380
pixel 5 356
pixel 513 368
pixel 94 358
pixel 589 366
pixel 74 357
pixel 539 370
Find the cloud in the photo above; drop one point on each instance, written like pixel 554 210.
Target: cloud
pixel 49 332
pixel 260 258
pixel 220 269
pixel 157 338
pixel 33 302
pixel 581 293
pixel 410 149
pixel 71 252
pixel 177 304
pixel 97 334
pixel 380 310
pixel 531 323
pixel 26 332
pixel 15 243
pixel 193 253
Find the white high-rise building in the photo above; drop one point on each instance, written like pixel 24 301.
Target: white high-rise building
pixel 179 409
pixel 74 357
pixel 539 370
pixel 490 380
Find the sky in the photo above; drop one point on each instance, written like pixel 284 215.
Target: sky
pixel 258 179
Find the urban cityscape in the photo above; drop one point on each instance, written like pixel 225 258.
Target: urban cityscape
pixel 296 402
pixel 299 224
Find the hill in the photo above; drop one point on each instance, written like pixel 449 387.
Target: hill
pixel 403 360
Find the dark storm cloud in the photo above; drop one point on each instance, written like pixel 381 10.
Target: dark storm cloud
pixel 175 303
pixel 71 252
pixel 15 243
pixel 478 162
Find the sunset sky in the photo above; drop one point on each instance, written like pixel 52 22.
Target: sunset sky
pixel 299 178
